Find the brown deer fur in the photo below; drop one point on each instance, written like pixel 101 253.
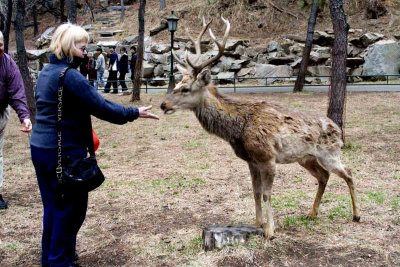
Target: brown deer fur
pixel 264 134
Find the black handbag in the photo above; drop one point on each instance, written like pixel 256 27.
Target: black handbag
pixel 82 175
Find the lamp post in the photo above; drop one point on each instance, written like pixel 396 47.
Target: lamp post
pixel 172 25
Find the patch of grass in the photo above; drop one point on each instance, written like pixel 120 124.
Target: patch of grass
pixel 281 202
pixel 376 197
pixel 12 246
pixel 395 203
pixel 192 144
pixel 255 242
pixel 396 176
pixel 342 209
pixel 351 147
pixel 297 221
pixel 193 247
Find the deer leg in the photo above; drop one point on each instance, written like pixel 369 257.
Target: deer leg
pixel 267 178
pixel 312 166
pixel 257 191
pixel 335 166
pixel 346 174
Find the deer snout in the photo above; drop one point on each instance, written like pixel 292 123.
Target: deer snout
pixel 167 108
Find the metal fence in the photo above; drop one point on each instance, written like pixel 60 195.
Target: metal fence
pixel 236 83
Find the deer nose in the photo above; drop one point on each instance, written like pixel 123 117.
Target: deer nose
pixel 163 106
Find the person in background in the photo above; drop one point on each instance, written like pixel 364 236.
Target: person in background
pixel 112 72
pixel 123 68
pixel 100 67
pixel 133 62
pixel 63 219
pixel 12 91
pixel 83 67
pixel 92 69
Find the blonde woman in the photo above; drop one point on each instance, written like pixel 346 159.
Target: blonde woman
pixel 63 219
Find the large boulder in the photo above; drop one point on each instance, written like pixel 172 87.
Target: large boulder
pixel 267 70
pixel 45 38
pixel 382 58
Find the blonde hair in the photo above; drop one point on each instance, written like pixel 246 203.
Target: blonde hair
pixel 65 38
pixel 1 37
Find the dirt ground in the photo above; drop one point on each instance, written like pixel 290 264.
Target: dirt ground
pixel 168 179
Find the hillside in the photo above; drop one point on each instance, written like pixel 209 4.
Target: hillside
pixel 259 22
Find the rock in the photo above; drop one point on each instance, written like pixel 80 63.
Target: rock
pixel 218 236
pixel 147 70
pixel 382 58
pixel 281 60
pixel 319 70
pixel 319 57
pixel 353 62
pixel 225 77
pixel 107 43
pixel 366 39
pixel 36 54
pixel 273 46
pixel 268 70
pixel 160 48
pixel 133 39
pixel 159 71
pixel 45 38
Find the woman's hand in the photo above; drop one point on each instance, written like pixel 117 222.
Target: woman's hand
pixel 26 126
pixel 143 113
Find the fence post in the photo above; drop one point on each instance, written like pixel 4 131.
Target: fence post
pixel 234 83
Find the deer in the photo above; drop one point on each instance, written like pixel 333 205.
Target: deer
pixel 261 133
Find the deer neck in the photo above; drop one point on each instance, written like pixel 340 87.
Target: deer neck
pixel 220 115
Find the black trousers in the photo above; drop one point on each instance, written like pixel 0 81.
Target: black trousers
pixel 112 79
pixel 122 81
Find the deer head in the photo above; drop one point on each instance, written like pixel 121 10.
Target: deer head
pixel 190 91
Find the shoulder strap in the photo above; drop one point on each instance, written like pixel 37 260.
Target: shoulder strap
pixel 89 135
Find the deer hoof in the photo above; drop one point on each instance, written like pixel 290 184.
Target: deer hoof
pixel 356 218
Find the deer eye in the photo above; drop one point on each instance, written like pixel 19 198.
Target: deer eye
pixel 185 90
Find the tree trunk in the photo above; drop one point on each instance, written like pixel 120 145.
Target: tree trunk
pixel 35 21
pixel 140 52
pixel 298 86
pixel 22 59
pixel 2 22
pixel 163 5
pixel 7 27
pixel 71 11
pixel 63 18
pixel 122 12
pixel 337 91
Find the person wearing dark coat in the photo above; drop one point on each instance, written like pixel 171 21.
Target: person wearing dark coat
pixel 83 67
pixel 63 219
pixel 12 93
pixel 123 68
pixel 133 62
pixel 113 66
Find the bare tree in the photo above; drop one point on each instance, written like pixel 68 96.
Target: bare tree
pixel 122 12
pixel 163 4
pixel 140 53
pixel 71 4
pixel 91 5
pixel 298 86
pixel 22 59
pixel 7 27
pixel 337 91
pixel 63 18
pixel 35 20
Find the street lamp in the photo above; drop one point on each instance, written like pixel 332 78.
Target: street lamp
pixel 172 25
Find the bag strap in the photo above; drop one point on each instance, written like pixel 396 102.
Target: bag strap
pixel 89 136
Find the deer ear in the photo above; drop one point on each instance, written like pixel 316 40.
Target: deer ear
pixel 204 77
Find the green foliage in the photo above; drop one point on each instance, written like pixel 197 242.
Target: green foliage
pixel 298 221
pixel 343 208
pixel 395 203
pixel 351 147
pixel 376 197
pixel 281 202
pixel 193 247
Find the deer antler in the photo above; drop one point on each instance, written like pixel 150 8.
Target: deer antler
pixel 188 64
pixel 221 46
